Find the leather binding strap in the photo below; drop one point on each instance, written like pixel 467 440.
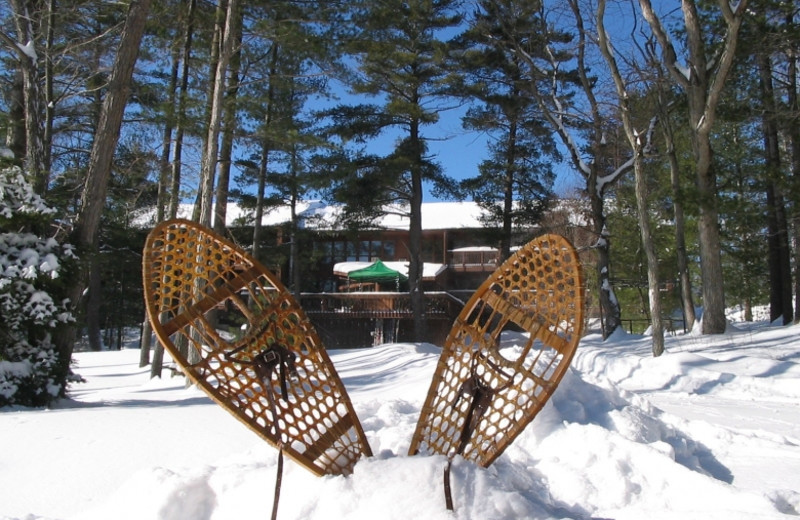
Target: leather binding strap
pixel 275 357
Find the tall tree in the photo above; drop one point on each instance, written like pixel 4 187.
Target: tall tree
pixel 99 170
pixel 665 103
pixel 229 125
pixel 515 184
pixel 780 273
pixel 702 77
pixel 29 19
pixel 569 99
pixel 770 45
pixel 792 53
pixel 285 69
pixel 216 110
pixel 401 59
pixel 639 140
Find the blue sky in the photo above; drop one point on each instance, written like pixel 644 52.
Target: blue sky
pixel 459 152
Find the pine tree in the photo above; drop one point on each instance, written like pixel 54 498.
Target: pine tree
pixel 569 95
pixel 515 184
pixel 402 61
pixel 32 266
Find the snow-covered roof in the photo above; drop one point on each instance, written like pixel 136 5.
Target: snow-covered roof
pixel 474 249
pixel 319 215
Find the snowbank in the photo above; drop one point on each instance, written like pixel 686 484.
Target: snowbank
pixel 709 430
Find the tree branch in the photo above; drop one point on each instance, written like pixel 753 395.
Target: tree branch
pixel 680 74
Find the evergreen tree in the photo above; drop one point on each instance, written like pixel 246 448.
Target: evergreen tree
pixel 569 95
pixel 767 70
pixel 286 69
pixel 32 265
pixel 514 185
pixel 402 60
pixel 743 207
pixel 702 75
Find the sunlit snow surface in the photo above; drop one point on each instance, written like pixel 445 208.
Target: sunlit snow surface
pixel 709 430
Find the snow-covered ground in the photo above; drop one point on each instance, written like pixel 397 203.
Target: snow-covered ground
pixel 709 430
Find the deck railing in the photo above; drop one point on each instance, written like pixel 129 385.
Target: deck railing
pixel 377 304
pixel 472 261
pixel 347 320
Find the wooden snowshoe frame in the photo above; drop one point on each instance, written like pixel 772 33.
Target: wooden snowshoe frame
pixel 269 369
pixel 482 397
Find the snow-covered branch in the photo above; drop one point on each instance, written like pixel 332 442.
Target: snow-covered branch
pixel 605 180
pixel 21 50
pixel 28 264
pixel 651 130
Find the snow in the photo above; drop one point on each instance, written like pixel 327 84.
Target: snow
pixel 317 215
pixel 709 430
pixel 685 71
pixel 29 50
pixel 474 249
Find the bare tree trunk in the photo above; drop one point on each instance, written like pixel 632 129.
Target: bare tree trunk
pixel 100 159
pixel 108 128
pixel 145 342
pixel 211 148
pixel 94 303
pixel 15 136
pixel 653 283
pixel 703 78
pixel 794 144
pixel 778 255
pixel 166 141
pixel 265 150
pixel 49 99
pixel 682 258
pixel 162 200
pixel 229 131
pixel 259 211
pixel 508 192
pixel 294 249
pixel 415 265
pixel 637 145
pixel 208 168
pixel 158 361
pixel 25 12
pixel 714 321
pixel 180 120
pixel 610 314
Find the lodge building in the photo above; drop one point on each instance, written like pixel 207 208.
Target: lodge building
pixel 458 250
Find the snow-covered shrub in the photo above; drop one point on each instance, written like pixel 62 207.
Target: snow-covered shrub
pixel 30 265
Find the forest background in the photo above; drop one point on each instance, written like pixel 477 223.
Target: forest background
pixel 677 128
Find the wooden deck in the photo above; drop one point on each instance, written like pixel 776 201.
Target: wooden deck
pixel 348 320
pixel 477 261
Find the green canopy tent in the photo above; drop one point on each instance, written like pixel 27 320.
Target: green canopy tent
pixel 377 272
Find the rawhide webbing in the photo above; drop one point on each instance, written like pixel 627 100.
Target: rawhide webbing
pixel 480 397
pixel 273 358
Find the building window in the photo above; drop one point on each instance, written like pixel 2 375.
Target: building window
pixel 364 253
pixel 388 250
pixel 336 251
